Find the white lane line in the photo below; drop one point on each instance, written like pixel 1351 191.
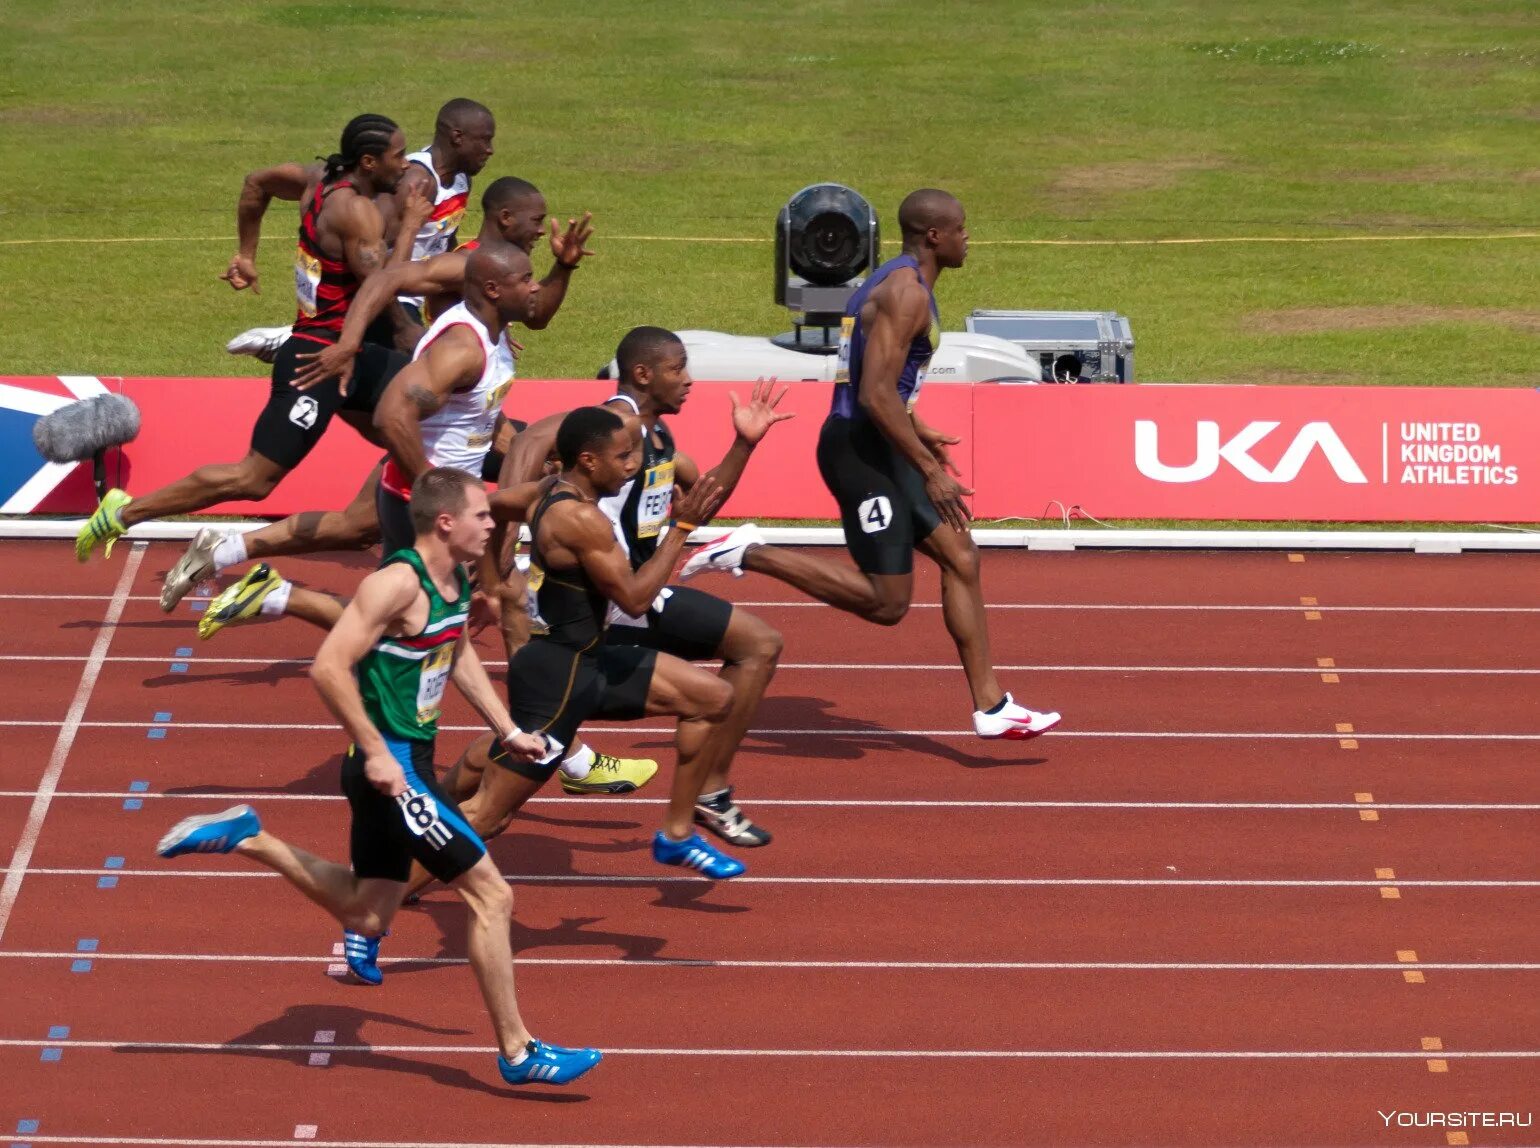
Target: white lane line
pixel 861 1053
pixel 874 732
pixel 929 667
pixel 43 797
pixel 654 963
pixel 977 882
pixel 865 803
pixel 1180 606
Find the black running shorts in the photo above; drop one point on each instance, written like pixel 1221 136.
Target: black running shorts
pixel 554 689
pixel 881 496
pixel 423 824
pixel 293 421
pixel 685 622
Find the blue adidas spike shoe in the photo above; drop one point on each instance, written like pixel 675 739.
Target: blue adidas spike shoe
pixel 548 1064
pixel 363 957
pixel 211 832
pixel 695 853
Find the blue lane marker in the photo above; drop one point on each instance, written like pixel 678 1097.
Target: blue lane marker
pixel 27 1127
pixel 58 1032
pixel 138 786
pixel 156 734
pixel 184 652
pixel 178 667
pixel 81 966
pixel 86 945
pixel 133 803
pixel 106 882
pixel 163 715
pixel 113 863
pixel 51 1055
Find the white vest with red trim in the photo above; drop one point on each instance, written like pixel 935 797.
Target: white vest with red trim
pixel 460 433
pixel 437 235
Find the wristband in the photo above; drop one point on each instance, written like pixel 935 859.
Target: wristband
pixel 512 733
pixel 680 524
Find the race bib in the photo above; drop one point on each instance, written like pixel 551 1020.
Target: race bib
pixel 534 580
pixel 657 500
pixel 847 332
pixel 434 677
pixel 307 280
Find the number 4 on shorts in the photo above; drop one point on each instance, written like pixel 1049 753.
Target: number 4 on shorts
pixel 875 514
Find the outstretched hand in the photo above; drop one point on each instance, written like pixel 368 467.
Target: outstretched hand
pixel 753 420
pixel 570 246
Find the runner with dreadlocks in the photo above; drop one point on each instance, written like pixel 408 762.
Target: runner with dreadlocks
pixel 341 243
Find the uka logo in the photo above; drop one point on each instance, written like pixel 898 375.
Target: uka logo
pixel 1236 452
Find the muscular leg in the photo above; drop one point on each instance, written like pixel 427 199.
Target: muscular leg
pixel 962 606
pixel 253 478
pixel 701 701
pixel 490 951
pixel 356 527
pixel 879 598
pixel 361 904
pixel 312 606
pixel 750 650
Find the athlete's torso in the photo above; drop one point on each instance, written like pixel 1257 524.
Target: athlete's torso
pixel 847 379
pixel 402 679
pixel 571 610
pixel 459 434
pixel 324 286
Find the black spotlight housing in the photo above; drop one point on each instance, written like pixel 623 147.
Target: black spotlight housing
pixel 826 242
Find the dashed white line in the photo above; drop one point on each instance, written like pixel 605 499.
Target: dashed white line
pixel 68 728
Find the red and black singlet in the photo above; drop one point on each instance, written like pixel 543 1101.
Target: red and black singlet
pixel 325 287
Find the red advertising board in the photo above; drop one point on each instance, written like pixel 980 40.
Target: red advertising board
pixel 1352 454
pixel 1200 452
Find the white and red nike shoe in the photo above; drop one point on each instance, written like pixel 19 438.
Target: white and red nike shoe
pixel 1013 722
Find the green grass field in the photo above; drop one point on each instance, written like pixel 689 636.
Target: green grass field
pixel 127 130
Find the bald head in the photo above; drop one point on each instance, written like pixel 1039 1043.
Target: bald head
pixel 463 134
pixel 499 274
pixel 934 226
pixel 926 209
pixel 494 261
pixel 462 115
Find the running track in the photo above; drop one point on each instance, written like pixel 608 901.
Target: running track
pixel 1277 873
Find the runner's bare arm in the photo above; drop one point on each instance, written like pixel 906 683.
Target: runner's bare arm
pixel 584 531
pixel 470 678
pixel 568 249
pixel 525 460
pixel 453 361
pixel 362 231
pixel 414 211
pixel 286 181
pixel 382 598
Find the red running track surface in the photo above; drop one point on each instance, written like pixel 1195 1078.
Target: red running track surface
pixel 1274 879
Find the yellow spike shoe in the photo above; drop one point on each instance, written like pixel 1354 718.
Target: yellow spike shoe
pixel 241 602
pixel 104 527
pixel 612 775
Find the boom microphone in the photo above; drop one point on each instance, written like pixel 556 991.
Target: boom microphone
pixel 84 429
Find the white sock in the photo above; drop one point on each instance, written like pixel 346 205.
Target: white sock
pixel 519 1057
pixel 277 602
pixel 230 551
pixel 577 764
